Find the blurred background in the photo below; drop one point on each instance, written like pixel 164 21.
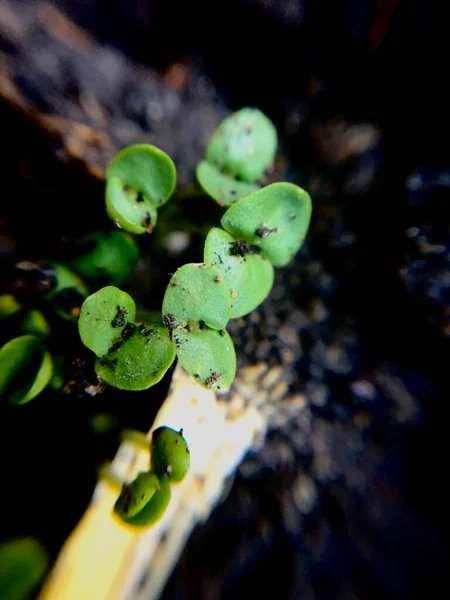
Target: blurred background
pixel 346 497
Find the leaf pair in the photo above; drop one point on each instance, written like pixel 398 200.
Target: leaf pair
pixel 139 180
pixel 143 501
pixel 240 151
pixel 262 230
pixel 130 356
pixel 196 309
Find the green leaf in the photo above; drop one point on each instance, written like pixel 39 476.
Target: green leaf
pixel 275 219
pixel 128 208
pixel 23 564
pixel 24 362
pixel 103 317
pixel 208 355
pixel 9 306
pixel 135 495
pixel 66 279
pixel 249 277
pixel 147 169
pixel 68 294
pixel 139 361
pixel 34 323
pixel 224 189
pixel 196 293
pixel 108 256
pixel 244 144
pixel 155 507
pixel 170 453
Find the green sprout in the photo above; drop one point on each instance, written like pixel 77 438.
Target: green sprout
pixel 139 180
pixel 151 492
pixel 144 500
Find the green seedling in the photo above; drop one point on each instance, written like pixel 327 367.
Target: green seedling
pixel 23 564
pixel 224 189
pixel 154 509
pixel 104 315
pixel 247 274
pixel 25 369
pixel 244 145
pixel 196 293
pixel 109 257
pixel 275 219
pixel 169 454
pixel 138 359
pixel 135 495
pixel 139 180
pixel 262 228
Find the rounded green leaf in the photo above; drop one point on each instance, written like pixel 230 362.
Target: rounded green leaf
pixel 196 293
pixel 135 495
pixel 170 453
pixel 139 359
pixel 103 318
pixel 275 219
pixel 208 355
pixel 224 189
pixel 25 369
pixel 23 564
pixel 248 276
pixel 128 208
pixel 155 507
pixel 108 256
pixel 244 144
pixel 147 169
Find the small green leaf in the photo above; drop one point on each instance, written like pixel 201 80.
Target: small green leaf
pixel 23 564
pixel 139 359
pixel 244 144
pixel 34 323
pixel 155 507
pixel 135 495
pixel 68 294
pixel 147 169
pixel 248 276
pixel 224 189
pixel 66 279
pixel 25 369
pixel 108 256
pixel 128 208
pixel 208 355
pixel 196 293
pixel 9 306
pixel 103 317
pixel 275 218
pixel 170 453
